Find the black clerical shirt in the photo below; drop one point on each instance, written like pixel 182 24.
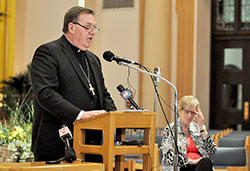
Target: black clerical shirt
pixel 83 60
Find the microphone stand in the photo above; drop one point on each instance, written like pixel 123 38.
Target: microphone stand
pixel 156 83
pixel 156 92
pixel 175 161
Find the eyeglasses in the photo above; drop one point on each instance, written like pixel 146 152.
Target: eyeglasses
pixel 189 111
pixel 90 28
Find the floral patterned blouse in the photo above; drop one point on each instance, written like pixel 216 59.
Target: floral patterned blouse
pixel 206 146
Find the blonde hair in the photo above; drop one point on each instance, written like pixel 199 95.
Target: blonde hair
pixel 188 101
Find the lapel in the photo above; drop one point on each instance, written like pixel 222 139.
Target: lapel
pixel 73 60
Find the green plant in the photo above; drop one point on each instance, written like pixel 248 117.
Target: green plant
pixel 14 90
pixel 16 132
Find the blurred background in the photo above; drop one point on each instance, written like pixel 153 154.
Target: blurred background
pixel 201 46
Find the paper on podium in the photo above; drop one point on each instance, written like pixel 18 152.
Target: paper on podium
pixel 144 110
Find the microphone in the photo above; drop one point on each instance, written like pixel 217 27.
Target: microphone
pixel 109 56
pixel 65 135
pixel 126 94
pixel 158 73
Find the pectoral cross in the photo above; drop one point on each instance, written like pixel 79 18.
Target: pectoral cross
pixel 91 88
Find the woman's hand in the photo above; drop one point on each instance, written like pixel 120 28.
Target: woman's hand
pixel 194 161
pixel 199 118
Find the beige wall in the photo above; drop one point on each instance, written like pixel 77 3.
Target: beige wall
pixel 19 53
pixel 174 41
pixel 157 53
pixel 120 34
pixel 37 22
pixel 201 84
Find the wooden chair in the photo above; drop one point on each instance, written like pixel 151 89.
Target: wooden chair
pixel 247 147
pixel 231 142
pixel 159 131
pixel 213 137
pixel 216 138
pixel 238 134
pixel 228 158
pixel 135 162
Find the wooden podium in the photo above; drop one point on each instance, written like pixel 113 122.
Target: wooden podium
pixel 63 166
pixel 113 125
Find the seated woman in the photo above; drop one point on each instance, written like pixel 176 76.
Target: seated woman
pixel 194 144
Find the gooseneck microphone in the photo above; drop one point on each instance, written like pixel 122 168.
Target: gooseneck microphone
pixel 126 94
pixel 109 56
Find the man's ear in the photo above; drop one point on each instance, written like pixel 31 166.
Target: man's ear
pixel 71 27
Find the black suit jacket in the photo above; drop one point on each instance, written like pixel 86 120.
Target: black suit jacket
pixel 60 92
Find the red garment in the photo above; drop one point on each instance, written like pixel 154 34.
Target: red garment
pixel 192 151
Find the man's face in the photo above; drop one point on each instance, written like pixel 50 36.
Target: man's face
pixel 82 36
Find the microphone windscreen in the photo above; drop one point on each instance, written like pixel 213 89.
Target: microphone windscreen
pixel 120 88
pixel 70 155
pixel 108 56
pixel 64 132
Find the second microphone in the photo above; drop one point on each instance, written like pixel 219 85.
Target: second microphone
pixel 126 94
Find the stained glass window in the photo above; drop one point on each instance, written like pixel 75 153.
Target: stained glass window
pixel 245 14
pixel 225 14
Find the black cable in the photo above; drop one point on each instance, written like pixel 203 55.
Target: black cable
pixel 166 103
pixel 130 86
pixel 162 108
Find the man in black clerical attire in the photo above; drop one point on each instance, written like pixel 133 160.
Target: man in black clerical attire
pixel 68 85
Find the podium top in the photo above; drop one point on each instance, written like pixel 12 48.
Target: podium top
pixel 120 118
pixel 77 165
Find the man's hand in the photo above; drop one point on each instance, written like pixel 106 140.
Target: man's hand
pixel 88 114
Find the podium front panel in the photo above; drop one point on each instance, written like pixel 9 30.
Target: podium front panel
pixel 109 123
